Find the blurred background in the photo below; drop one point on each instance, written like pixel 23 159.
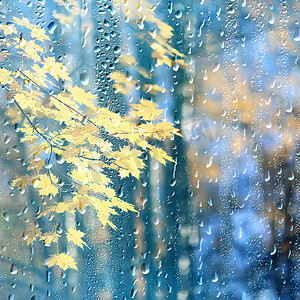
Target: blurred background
pixel 220 222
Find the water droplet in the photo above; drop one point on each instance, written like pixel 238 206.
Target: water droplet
pixel 269 124
pixel 231 10
pixel 132 270
pixel 296 35
pixel 178 14
pixel 170 7
pixel 209 230
pixel 214 277
pixel 59 159
pixel 6 139
pixel 121 192
pixel 169 288
pixel 97 49
pixel 175 65
pixel 117 50
pixel 209 163
pixel 268 177
pixel 13 270
pixel 216 67
pixel 48 163
pixel 145 268
pixel 274 249
pixel 84 78
pixel 5 216
pixel 200 281
pixel 291 175
pixel 271 19
pixel 51 27
pixel 133 292
pixel 240 232
pixel 210 203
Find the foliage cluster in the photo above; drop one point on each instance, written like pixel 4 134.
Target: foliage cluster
pixel 62 126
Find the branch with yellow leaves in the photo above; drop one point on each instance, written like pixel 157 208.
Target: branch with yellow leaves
pixel 89 139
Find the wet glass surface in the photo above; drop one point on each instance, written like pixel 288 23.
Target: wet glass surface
pixel 149 149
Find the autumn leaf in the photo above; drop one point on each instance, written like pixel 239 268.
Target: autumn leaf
pixel 49 237
pixel 31 235
pixel 55 69
pixel 160 155
pixel 62 260
pixel 8 29
pixel 5 76
pixel 46 185
pixel 146 110
pixel 14 114
pixel 76 236
pixel 39 33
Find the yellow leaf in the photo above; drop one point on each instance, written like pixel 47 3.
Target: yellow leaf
pixel 14 114
pixel 49 237
pixel 5 76
pixel 62 260
pixel 45 185
pixel 76 236
pixel 44 213
pixel 124 173
pixel 8 29
pixel 63 19
pixel 23 22
pixel 39 33
pixel 146 110
pixel 160 155
pixel 104 210
pixel 81 96
pixel 62 207
pixel 32 235
pixel 55 69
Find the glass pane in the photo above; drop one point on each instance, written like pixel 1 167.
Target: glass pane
pixel 149 149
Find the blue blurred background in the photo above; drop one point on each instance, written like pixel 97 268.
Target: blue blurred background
pixel 223 220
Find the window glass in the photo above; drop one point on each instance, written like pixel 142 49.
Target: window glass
pixel 149 149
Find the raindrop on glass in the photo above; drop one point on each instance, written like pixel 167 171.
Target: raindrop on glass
pixel 296 35
pixel 84 78
pixel 214 277
pixel 51 27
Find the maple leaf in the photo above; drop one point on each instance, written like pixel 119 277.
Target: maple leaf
pixel 32 235
pixel 48 210
pixel 46 185
pixel 39 33
pixel 146 110
pixel 14 114
pixel 104 210
pixel 8 29
pixel 56 70
pixel 63 19
pixel 31 50
pixel 62 207
pixel 49 237
pixel 5 76
pixel 160 155
pixel 75 236
pixel 124 173
pixel 81 96
pixel 153 88
pixel 62 260
pixel 23 22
